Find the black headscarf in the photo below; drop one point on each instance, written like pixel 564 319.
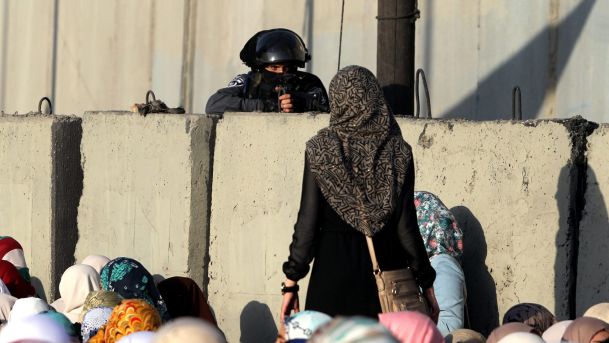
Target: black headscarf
pixel 360 161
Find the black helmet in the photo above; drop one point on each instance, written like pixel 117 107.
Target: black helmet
pixel 274 46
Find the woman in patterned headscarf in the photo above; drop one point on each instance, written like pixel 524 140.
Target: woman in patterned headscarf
pixel 131 280
pixel 443 241
pixel 533 315
pixel 358 180
pixel 130 316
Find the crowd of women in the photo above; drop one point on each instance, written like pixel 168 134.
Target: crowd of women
pixel 357 197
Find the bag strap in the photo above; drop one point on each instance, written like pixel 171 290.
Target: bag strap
pixel 375 265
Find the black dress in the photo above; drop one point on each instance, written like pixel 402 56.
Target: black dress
pixel 341 281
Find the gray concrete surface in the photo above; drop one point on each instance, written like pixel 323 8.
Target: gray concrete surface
pixel 41 183
pixel 506 182
pixel 145 190
pixel 592 277
pixel 258 164
pixel 508 185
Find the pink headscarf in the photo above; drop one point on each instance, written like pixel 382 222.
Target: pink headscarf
pixel 411 327
pixel 96 261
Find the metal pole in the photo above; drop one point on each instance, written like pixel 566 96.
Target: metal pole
pixel 395 53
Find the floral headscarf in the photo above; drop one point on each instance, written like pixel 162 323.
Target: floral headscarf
pixel 130 316
pixel 438 226
pixel 93 320
pixel 131 280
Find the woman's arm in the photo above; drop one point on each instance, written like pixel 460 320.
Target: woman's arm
pixel 303 239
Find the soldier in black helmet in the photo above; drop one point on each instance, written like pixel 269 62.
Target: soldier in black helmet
pixel 274 83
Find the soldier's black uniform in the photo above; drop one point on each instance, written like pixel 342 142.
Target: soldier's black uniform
pixel 259 89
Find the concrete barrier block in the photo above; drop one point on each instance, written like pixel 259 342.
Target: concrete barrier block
pixel 258 168
pixel 41 184
pixel 592 280
pixel 145 190
pixel 508 185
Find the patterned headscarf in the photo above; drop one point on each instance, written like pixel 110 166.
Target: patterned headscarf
pixel 582 329
pixel 130 316
pixel 534 315
pixel 302 325
pixel 351 330
pixel 131 280
pixel 101 298
pixel 360 161
pixel 438 226
pixel 93 321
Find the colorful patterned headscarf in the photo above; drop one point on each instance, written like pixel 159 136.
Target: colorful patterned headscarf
pixel 101 298
pixel 93 320
pixel 302 325
pixel 130 316
pixel 533 315
pixel 438 226
pixel 131 280
pixel 360 161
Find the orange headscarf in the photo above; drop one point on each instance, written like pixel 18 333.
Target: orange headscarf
pixel 129 316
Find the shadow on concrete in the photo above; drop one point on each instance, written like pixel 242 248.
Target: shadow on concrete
pixel 492 98
pixel 565 265
pixel 39 287
pixel 257 323
pixel 591 279
pixel 481 289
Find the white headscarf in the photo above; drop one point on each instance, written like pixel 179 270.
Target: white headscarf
pixel 521 337
pixel 36 328
pixel 76 283
pixel 3 288
pixel 554 333
pixel 16 257
pixel 138 337
pixel 187 329
pixel 599 311
pixel 6 304
pixel 26 307
pixel 96 261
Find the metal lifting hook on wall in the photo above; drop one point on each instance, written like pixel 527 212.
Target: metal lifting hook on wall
pixel 40 105
pixel 421 73
pixel 149 94
pixel 516 93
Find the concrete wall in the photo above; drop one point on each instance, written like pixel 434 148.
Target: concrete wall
pixel 508 185
pixel 90 55
pixel 145 190
pixel 506 182
pixel 255 198
pixel 40 185
pixel 592 277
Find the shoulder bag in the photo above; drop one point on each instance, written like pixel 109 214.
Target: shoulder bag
pixel 397 289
